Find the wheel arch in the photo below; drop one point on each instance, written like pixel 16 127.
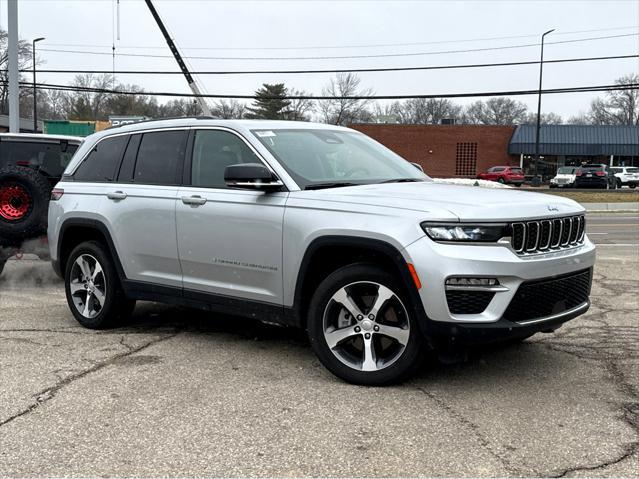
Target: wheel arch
pixel 326 254
pixel 74 231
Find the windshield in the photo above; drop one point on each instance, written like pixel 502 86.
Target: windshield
pixel 566 170
pixel 328 158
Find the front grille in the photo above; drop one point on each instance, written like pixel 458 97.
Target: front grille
pixel 544 235
pixel 546 297
pixel 468 302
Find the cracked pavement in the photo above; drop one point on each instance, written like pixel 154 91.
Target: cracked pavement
pixel 180 393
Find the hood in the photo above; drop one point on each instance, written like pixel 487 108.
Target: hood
pixel 466 203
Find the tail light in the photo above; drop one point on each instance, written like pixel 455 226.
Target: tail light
pixel 578 173
pixel 600 173
pixel 56 194
pixel 22 163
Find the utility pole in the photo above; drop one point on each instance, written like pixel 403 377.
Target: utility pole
pixel 178 58
pixel 14 87
pixel 35 90
pixel 536 179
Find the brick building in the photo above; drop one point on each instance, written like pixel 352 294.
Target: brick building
pixel 447 150
pixel 465 150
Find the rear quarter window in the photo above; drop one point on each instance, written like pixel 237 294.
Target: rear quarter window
pixel 102 162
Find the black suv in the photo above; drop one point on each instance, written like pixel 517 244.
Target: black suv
pixel 594 176
pixel 30 166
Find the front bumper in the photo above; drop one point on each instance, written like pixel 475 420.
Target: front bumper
pixel 435 262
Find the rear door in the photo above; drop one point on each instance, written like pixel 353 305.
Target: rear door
pixel 229 240
pixel 140 206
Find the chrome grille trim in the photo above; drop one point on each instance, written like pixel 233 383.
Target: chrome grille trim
pixel 539 236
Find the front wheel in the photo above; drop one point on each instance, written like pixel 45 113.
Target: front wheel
pixel 360 327
pixel 501 180
pixel 632 185
pixel 619 185
pixel 93 289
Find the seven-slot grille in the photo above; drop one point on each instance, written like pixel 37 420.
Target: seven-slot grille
pixel 543 235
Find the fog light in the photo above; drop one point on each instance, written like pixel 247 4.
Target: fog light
pixel 461 281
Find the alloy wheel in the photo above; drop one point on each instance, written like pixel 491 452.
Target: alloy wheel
pixel 87 286
pixel 15 202
pixel 366 326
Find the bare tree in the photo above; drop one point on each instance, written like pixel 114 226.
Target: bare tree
pixel 620 107
pixel 387 112
pixel 229 109
pixel 428 110
pixel 89 103
pixel 300 110
pixel 343 111
pixel 546 119
pixel 181 107
pixel 496 111
pixel 24 61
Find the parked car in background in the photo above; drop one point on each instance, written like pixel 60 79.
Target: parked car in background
pixel 565 177
pixel 594 176
pixel 313 226
pixel 511 175
pixel 30 165
pixel 626 176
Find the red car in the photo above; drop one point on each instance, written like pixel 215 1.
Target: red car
pixel 512 175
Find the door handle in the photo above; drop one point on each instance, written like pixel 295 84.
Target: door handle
pixel 116 195
pixel 193 200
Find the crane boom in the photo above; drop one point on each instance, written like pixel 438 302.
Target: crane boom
pixel 178 58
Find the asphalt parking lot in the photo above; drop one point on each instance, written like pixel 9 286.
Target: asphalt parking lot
pixel 181 393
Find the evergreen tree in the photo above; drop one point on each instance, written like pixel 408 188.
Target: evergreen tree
pixel 270 104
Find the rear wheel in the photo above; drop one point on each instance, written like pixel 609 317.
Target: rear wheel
pixel 619 185
pixel 93 289
pixel 360 327
pixel 632 185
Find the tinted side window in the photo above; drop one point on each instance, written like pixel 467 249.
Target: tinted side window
pixel 213 151
pixel 159 156
pixel 49 158
pixel 103 161
pixel 128 162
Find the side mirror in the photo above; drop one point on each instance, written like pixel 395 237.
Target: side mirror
pixel 251 176
pixel 418 166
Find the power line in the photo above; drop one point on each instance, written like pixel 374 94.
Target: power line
pixel 347 70
pixel 335 47
pixel 379 55
pixel 595 88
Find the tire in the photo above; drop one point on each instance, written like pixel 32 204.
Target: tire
pixel 402 348
pixel 24 202
pixel 501 180
pixel 98 303
pixel 518 185
pixel 619 185
pixel 632 185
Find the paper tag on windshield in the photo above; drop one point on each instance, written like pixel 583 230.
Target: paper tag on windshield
pixel 264 134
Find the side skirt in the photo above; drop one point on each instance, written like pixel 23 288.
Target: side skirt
pixel 259 310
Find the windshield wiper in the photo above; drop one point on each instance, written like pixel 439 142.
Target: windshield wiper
pixel 334 184
pixel 403 180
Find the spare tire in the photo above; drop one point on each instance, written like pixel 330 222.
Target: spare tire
pixel 24 202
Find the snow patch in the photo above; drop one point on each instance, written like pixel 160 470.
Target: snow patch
pixel 471 182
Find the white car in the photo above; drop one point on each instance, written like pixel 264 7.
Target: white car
pixel 565 177
pixel 626 175
pixel 317 227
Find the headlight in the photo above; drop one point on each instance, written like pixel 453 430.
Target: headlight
pixel 485 233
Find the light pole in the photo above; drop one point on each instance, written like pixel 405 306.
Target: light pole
pixel 35 92
pixel 536 179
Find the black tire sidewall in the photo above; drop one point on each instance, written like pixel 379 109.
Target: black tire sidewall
pixel 114 304
pixel 412 355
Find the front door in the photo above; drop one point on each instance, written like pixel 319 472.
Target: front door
pixel 229 240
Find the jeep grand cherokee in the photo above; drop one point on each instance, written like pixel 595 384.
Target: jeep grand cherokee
pixel 313 226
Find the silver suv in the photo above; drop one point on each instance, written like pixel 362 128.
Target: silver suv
pixel 317 227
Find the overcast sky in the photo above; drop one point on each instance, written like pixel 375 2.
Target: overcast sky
pixel 209 28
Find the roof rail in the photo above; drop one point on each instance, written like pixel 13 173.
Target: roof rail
pixel 151 120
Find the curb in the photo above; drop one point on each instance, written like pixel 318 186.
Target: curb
pixel 611 207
